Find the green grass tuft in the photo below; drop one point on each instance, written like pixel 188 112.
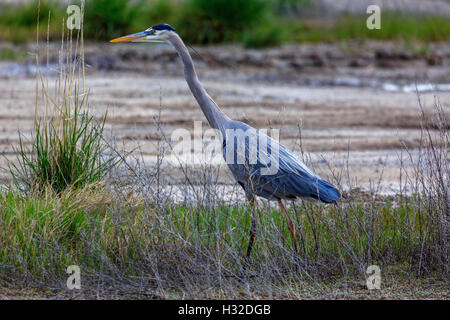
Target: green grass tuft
pixel 65 153
pixel 12 54
pixel 204 21
pixel 107 19
pixel 18 22
pixel 67 146
pixel 268 35
pixel 394 26
pixel 156 12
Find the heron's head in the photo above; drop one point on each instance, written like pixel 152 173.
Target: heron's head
pixel 158 33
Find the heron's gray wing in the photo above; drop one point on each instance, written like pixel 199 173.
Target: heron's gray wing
pixel 295 179
pixel 277 173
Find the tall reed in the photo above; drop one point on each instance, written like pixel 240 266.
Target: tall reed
pixel 67 147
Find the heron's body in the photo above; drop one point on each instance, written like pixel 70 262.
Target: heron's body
pixel 292 178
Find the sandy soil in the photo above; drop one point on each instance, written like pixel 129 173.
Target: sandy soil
pixel 362 122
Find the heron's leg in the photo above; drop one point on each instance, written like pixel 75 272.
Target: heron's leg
pixel 290 225
pixel 252 229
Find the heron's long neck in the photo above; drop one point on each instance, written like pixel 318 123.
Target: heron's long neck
pixel 214 115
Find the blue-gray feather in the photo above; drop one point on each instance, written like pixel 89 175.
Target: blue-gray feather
pixel 292 179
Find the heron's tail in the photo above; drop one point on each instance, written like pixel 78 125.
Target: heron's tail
pixel 326 192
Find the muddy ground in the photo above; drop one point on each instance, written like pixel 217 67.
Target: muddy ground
pixel 355 103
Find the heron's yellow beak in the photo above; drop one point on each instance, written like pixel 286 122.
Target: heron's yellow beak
pixel 140 36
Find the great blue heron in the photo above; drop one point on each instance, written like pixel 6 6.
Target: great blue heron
pixel 292 177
